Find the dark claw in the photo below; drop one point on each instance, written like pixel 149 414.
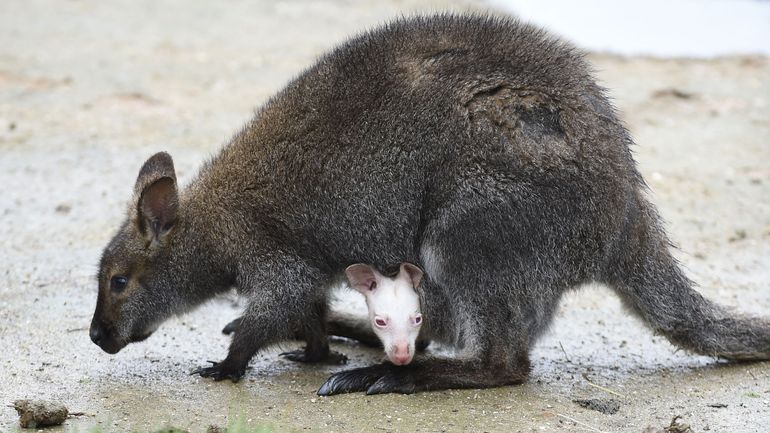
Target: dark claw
pixel 356 380
pixel 200 369
pixel 219 371
pixel 402 384
pixel 301 355
pixel 341 383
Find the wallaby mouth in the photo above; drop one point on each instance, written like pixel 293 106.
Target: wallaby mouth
pixel 113 346
pixel 103 337
pixel 140 337
pixel 110 345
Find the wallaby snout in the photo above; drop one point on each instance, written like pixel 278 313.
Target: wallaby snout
pixel 400 354
pixel 102 337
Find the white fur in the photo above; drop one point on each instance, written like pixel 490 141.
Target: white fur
pixel 394 302
pixel 431 260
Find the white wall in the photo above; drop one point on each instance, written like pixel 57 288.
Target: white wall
pixel 673 28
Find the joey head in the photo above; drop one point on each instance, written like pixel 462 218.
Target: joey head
pixel 393 307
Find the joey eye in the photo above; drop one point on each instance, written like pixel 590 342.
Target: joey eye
pixel 418 319
pixel 380 322
pixel 118 283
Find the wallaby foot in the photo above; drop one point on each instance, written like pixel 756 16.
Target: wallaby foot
pixel 305 356
pixel 423 375
pixel 359 379
pixel 221 371
pixel 232 326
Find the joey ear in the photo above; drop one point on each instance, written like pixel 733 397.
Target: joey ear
pixel 412 272
pixel 362 277
pixel 157 196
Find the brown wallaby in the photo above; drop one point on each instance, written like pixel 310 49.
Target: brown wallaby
pixel 479 148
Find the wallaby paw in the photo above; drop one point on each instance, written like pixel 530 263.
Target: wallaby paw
pixel 397 381
pixel 301 355
pixel 220 371
pixel 232 326
pixel 361 379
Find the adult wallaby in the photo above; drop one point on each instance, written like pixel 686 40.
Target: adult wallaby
pixel 479 148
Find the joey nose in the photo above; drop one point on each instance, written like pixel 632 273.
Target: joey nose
pixel 401 359
pixel 401 354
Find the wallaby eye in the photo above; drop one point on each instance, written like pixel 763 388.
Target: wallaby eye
pixel 380 322
pixel 118 283
pixel 417 319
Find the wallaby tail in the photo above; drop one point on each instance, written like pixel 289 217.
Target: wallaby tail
pixel 650 283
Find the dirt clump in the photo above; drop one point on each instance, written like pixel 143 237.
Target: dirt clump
pixel 40 413
pixel 605 406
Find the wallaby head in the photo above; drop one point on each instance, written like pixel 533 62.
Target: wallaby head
pixel 394 307
pixel 134 283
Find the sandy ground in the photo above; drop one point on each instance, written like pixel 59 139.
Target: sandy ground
pixel 89 89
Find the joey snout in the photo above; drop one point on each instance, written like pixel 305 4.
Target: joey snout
pixel 400 353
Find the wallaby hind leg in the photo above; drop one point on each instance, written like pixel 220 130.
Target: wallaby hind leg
pixel 314 332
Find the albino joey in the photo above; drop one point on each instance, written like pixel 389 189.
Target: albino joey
pixel 394 307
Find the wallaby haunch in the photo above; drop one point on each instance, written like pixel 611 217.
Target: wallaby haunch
pixel 394 307
pixel 479 148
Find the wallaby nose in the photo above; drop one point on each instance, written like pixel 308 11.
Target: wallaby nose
pixel 401 354
pixel 96 333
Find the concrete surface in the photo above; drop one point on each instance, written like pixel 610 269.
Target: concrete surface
pixel 89 89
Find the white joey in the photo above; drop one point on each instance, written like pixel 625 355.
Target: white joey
pixel 394 307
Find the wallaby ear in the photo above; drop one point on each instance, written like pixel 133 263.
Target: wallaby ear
pixel 412 273
pixel 362 277
pixel 157 196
